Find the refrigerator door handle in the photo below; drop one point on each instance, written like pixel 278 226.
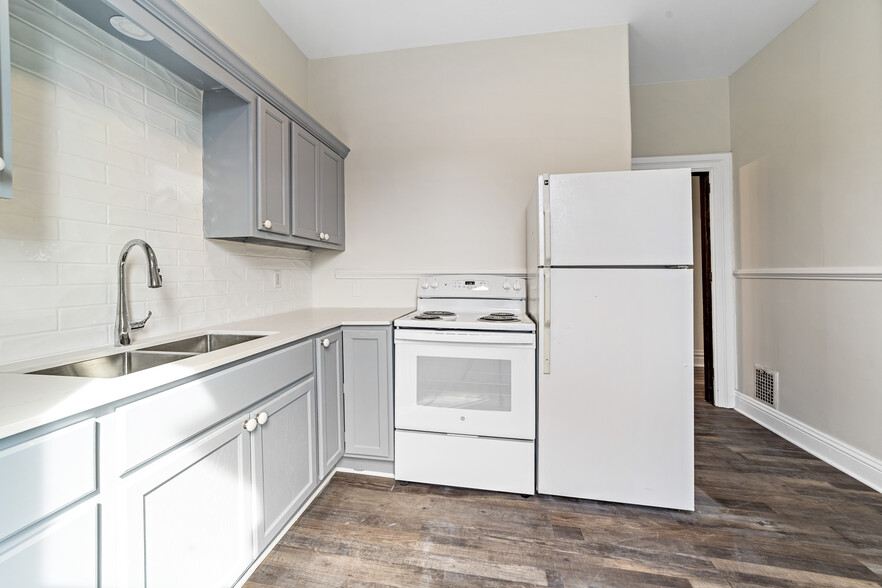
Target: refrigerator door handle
pixel 546 324
pixel 546 221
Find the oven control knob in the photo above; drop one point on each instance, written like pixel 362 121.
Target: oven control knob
pixel 506 285
pixel 434 283
pixel 517 285
pixel 425 284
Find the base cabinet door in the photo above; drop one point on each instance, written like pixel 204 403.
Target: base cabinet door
pixel 63 552
pixel 189 515
pixel 329 369
pixel 284 454
pixel 367 361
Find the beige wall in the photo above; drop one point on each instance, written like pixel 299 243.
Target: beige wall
pixel 446 145
pixel 806 117
pixel 680 118
pixel 251 32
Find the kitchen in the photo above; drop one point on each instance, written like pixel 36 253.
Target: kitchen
pixel 432 167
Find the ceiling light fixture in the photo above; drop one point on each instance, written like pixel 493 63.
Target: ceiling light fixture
pixel 130 29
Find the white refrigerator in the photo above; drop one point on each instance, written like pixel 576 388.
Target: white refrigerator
pixel 609 263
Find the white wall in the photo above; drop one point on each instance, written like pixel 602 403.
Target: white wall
pixel 806 116
pixel 680 118
pixel 447 143
pixel 107 148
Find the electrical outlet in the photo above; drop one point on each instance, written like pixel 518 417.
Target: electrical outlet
pixel 277 279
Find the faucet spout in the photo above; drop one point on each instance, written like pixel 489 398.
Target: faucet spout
pixel 124 325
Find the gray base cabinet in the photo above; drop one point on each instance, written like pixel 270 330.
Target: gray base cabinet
pixel 49 509
pixel 284 458
pixel 367 387
pixel 189 515
pixel 329 371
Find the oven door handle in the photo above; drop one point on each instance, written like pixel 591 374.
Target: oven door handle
pixel 501 339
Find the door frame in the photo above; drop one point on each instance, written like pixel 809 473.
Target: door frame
pixel 722 228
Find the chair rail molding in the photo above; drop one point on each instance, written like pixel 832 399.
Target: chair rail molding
pixel 843 273
pixel 722 229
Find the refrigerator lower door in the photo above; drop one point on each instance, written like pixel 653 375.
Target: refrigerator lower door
pixel 615 413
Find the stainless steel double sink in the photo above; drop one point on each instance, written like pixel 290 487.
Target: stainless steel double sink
pixel 127 362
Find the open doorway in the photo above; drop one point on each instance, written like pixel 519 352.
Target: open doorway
pixel 703 276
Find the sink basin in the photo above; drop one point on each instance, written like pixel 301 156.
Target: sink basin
pixel 203 343
pixel 113 366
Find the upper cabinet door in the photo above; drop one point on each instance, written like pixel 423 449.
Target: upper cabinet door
pixel 274 169
pixel 331 196
pixel 307 151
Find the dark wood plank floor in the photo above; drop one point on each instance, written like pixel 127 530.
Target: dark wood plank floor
pixel 767 514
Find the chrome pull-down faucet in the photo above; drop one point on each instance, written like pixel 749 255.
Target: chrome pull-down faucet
pixel 124 326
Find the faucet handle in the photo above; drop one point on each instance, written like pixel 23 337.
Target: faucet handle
pixel 140 324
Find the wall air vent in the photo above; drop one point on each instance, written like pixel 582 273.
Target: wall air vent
pixel 766 388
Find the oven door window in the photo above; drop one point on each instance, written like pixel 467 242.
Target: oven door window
pixel 464 383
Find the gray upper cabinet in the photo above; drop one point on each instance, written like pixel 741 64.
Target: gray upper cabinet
pixel 296 199
pixel 274 169
pixel 367 388
pixel 331 196
pixel 5 105
pixel 307 153
pixel 318 190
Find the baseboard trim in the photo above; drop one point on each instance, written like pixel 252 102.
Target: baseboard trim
pixel 843 457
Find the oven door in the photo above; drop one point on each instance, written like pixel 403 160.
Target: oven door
pixel 466 382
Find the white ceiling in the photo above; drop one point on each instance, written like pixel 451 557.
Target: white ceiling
pixel 671 40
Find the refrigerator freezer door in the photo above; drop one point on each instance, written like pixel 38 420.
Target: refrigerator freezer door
pixel 615 411
pixel 633 218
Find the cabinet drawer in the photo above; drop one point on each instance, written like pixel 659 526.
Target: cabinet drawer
pixel 158 423
pixel 43 475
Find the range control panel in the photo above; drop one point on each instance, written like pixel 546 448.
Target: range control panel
pixel 461 286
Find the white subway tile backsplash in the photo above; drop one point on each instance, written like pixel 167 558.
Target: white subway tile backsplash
pixel 48 23
pixel 129 217
pixel 70 230
pixel 28 274
pixel 122 141
pixel 14 298
pixel 100 151
pixel 82 273
pixel 38 64
pixel 80 189
pixel 24 322
pixel 98 71
pixel 137 109
pixel 51 251
pixel 109 148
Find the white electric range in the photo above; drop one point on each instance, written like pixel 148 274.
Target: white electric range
pixel 465 385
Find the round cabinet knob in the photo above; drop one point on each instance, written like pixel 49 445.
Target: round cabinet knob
pixel 267 224
pixel 262 418
pixel 425 285
pixel 506 285
pixel 326 343
pixel 517 285
pixel 250 425
pixel 2 164
pixel 327 237
pixel 321 236
pixel 434 283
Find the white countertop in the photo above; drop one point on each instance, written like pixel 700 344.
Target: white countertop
pixel 29 400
